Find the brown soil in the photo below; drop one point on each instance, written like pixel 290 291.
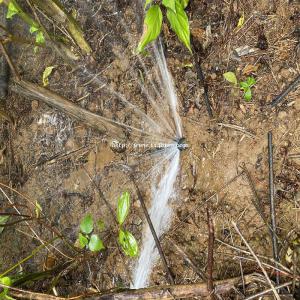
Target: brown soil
pixel 61 163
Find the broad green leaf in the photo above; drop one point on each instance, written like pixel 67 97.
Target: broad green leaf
pixel 128 243
pixel 169 4
pixel 123 207
pixel 47 72
pixel 251 81
pixel 244 85
pixel 180 24
pixel 95 243
pixel 3 220
pixel 5 281
pixel 33 29
pixel 248 95
pixel 38 209
pixel 11 10
pixel 40 39
pixel 147 2
pixel 87 224
pixel 230 77
pixel 83 241
pixel 152 27
pixel 184 3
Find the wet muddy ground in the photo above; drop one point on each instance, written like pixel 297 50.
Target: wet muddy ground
pixel 62 164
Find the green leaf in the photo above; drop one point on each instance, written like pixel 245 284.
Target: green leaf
pixel 230 77
pixel 123 207
pixel 83 241
pixel 87 224
pixel 184 3
pixel 95 243
pixel 128 243
pixel 248 95
pixel 47 72
pixel 38 209
pixel 3 220
pixel 152 27
pixel 251 81
pixel 40 39
pixel 5 281
pixel 33 28
pixel 169 4
pixel 180 24
pixel 244 85
pixel 11 10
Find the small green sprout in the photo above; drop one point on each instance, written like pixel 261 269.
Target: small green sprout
pixel 245 86
pixel 4 294
pixel 86 237
pixel 126 239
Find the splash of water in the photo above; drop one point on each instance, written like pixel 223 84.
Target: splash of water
pixel 160 214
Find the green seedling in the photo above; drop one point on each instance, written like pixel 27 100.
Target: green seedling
pixel 126 239
pixel 86 238
pixel 176 15
pixel 245 86
pixel 4 294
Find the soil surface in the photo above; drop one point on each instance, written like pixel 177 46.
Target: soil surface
pixel 53 160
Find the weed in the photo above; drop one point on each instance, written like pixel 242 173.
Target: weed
pixel 176 15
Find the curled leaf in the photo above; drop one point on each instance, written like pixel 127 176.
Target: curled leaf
pixel 47 72
pixel 152 27
pixel 123 207
pixel 12 10
pixel 230 77
pixel 82 241
pixel 128 243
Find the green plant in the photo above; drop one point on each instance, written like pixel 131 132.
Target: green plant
pixel 4 294
pixel 126 239
pixel 245 86
pixel 176 15
pixel 86 237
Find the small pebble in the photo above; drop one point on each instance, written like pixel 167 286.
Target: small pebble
pixel 282 115
pixel 34 105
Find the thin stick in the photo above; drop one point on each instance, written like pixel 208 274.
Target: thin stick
pixel 210 254
pixel 272 203
pixel 201 78
pixel 10 63
pixel 268 291
pixel 156 239
pixel 281 96
pixel 257 260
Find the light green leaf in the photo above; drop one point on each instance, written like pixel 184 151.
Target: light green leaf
pixel 5 281
pixel 230 77
pixel 40 39
pixel 152 27
pixel 11 10
pixel 244 85
pixel 83 241
pixel 128 243
pixel 33 28
pixel 95 243
pixel 251 81
pixel 169 4
pixel 47 72
pixel 3 220
pixel 180 24
pixel 184 3
pixel 248 95
pixel 87 224
pixel 123 207
pixel 38 209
